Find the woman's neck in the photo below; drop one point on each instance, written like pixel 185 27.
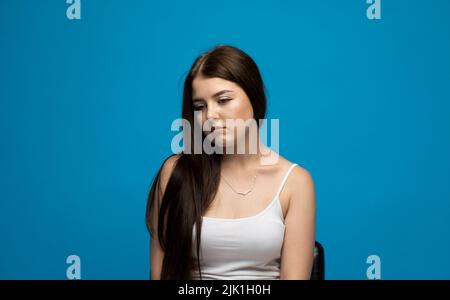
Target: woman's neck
pixel 247 161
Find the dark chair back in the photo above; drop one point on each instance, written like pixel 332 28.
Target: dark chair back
pixel 318 269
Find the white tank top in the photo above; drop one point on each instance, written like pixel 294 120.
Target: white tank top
pixel 243 248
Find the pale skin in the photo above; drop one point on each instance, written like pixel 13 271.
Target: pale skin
pixel 219 99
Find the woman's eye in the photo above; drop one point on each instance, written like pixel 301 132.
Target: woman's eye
pixel 199 107
pixel 223 100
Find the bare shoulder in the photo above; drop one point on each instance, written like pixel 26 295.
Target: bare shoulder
pixel 167 168
pixel 170 163
pixel 299 184
pixel 298 174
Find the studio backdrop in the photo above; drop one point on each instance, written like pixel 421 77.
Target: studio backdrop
pixel 89 90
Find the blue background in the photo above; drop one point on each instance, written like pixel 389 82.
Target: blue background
pixel 86 109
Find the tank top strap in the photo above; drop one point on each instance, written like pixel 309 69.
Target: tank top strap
pixel 285 179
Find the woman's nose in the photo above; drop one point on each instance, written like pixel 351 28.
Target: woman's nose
pixel 212 112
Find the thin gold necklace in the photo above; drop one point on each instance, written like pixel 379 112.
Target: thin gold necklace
pixel 241 193
pixel 253 181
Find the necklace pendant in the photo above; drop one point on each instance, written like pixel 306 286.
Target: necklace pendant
pixel 244 193
pixel 237 192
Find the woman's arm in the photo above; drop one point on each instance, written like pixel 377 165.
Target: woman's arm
pixel 156 253
pixel 297 254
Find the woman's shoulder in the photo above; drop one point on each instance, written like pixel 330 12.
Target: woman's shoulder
pixel 299 177
pixel 169 163
pixel 167 167
pixel 298 171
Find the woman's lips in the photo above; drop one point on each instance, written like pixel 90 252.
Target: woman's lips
pixel 217 128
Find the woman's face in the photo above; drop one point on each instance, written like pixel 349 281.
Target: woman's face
pixel 216 100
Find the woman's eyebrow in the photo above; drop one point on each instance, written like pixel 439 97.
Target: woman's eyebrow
pixel 221 92
pixel 215 95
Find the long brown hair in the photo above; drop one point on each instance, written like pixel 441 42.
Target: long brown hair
pixel 195 178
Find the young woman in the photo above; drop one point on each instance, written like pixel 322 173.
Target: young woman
pixel 227 215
